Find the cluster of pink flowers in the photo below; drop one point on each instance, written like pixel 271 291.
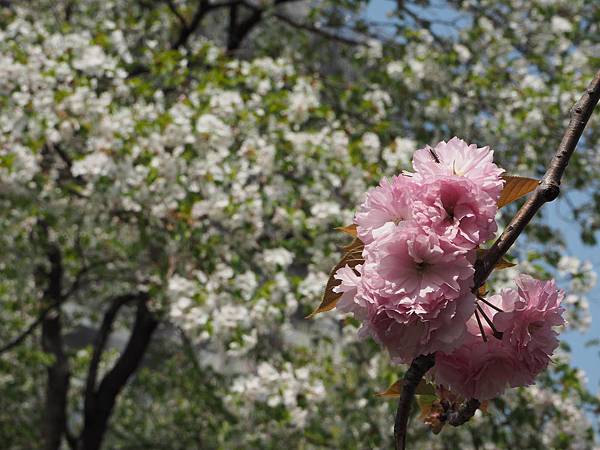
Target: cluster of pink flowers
pixel 526 338
pixel 413 293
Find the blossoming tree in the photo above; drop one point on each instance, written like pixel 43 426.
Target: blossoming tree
pixel 171 175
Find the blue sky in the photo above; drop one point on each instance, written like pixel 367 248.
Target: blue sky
pixel 586 358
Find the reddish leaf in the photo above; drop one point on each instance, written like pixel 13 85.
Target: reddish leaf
pixel 352 258
pixel 348 229
pixel 515 188
pixel 393 391
pixel 504 264
pixel 423 388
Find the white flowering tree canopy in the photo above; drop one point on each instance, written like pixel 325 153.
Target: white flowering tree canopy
pixel 172 174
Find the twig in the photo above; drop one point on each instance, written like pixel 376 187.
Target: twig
pixel 100 341
pixel 549 187
pixel 412 377
pixel 464 413
pixel 316 30
pixel 173 7
pixel 30 329
pixel 547 191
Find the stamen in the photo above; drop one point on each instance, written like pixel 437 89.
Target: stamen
pixel 434 155
pixel 480 326
pixel 491 305
pixel 497 334
pixel 421 266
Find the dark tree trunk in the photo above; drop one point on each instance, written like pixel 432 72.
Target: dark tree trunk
pixel 55 414
pixel 99 403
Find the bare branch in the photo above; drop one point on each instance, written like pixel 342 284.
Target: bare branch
pixel 173 7
pixel 315 30
pixel 238 31
pixel 549 187
pixel 306 27
pixel 464 413
pixel 412 377
pixel 547 191
pixel 186 31
pixel 58 373
pixel 30 329
pixel 101 401
pixel 100 342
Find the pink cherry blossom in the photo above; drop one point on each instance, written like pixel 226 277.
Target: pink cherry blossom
pixel 528 320
pixel 457 211
pixel 350 279
pixel 407 336
pixel 457 158
pixel 478 369
pixel 481 369
pixel 389 203
pixel 418 271
pixel 412 293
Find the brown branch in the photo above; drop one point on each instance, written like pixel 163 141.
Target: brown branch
pixel 58 373
pixel 29 330
pixel 549 187
pixel 480 325
pixel 464 413
pixel 102 401
pixel 497 334
pixel 187 30
pixel 412 377
pixel 294 24
pixel 547 191
pixel 100 342
pixel 316 30
pixel 173 7
pixel 238 31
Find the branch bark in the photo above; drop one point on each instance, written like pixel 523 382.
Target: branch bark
pixel 29 330
pixel 549 187
pixel 464 413
pixel 412 377
pixel 300 25
pixel 101 401
pixel 100 343
pixel 57 387
pixel 187 29
pixel 239 30
pixel 547 191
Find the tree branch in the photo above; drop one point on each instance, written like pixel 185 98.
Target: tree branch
pixel 412 377
pixel 238 31
pixel 102 400
pixel 173 7
pixel 464 413
pixel 55 417
pixel 547 191
pixel 186 30
pixel 100 342
pixel 549 187
pixel 30 329
pixel 304 26
pixel 319 31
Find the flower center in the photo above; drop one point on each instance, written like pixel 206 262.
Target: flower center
pixel 449 211
pixel 421 266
